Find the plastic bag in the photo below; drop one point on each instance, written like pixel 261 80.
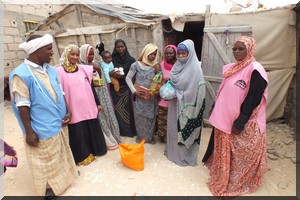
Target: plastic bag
pixel 132 155
pixel 167 91
pixel 156 83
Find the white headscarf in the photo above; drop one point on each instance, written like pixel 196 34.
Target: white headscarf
pixel 84 53
pixel 35 44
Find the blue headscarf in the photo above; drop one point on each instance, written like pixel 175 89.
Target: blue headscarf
pixel 182 47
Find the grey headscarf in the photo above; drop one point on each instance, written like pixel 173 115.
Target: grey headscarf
pixel 188 80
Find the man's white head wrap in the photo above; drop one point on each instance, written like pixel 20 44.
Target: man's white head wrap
pixel 35 44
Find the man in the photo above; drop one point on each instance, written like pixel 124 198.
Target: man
pixel 41 110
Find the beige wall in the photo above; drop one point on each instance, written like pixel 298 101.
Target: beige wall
pixel 14 29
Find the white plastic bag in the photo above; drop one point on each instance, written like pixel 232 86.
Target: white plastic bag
pixel 167 91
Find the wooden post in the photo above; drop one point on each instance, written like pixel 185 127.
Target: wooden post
pixel 78 15
pixel 207 16
pixel 56 56
pixel 80 24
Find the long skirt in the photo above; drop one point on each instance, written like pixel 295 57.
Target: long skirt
pixel 124 111
pixel 176 152
pixel 51 162
pixel 238 162
pixel 162 123
pixel 107 118
pixel 145 128
pixel 86 138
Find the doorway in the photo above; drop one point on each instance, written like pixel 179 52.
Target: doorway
pixel 192 30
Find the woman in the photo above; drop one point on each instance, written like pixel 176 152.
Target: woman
pixel 239 160
pixel 145 109
pixel 85 134
pixel 166 65
pixel 185 112
pixel 107 117
pixel 123 103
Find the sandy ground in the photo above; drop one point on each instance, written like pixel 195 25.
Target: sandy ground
pixel 107 176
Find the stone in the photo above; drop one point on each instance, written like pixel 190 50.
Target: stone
pixel 272 157
pixel 283 185
pixel 287 141
pixel 271 151
pixel 289 154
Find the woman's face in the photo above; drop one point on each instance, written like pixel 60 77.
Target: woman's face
pixel 151 57
pixel 239 51
pixel 170 54
pixel 91 55
pixel 120 47
pixel 73 56
pixel 182 54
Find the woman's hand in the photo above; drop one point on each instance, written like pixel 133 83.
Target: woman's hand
pixel 235 131
pixel 166 79
pixel 96 68
pixel 67 119
pixel 114 74
pixel 100 108
pixel 119 76
pixel 140 94
pixel 155 93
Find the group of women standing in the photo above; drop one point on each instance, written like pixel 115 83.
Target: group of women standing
pixel 236 154
pixel 102 116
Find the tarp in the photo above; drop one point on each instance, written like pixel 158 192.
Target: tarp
pixel 275 35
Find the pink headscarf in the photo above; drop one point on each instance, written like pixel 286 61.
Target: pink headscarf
pixel 167 65
pixel 250 44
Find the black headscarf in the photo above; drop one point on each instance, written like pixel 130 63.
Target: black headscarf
pixel 124 60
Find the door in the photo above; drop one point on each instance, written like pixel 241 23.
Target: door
pixel 216 52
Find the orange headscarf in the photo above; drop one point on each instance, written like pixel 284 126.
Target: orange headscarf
pixel 250 44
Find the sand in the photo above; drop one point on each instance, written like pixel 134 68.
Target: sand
pixel 107 176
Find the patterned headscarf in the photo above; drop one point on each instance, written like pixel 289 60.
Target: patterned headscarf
pixel 250 44
pixel 148 49
pixel 64 61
